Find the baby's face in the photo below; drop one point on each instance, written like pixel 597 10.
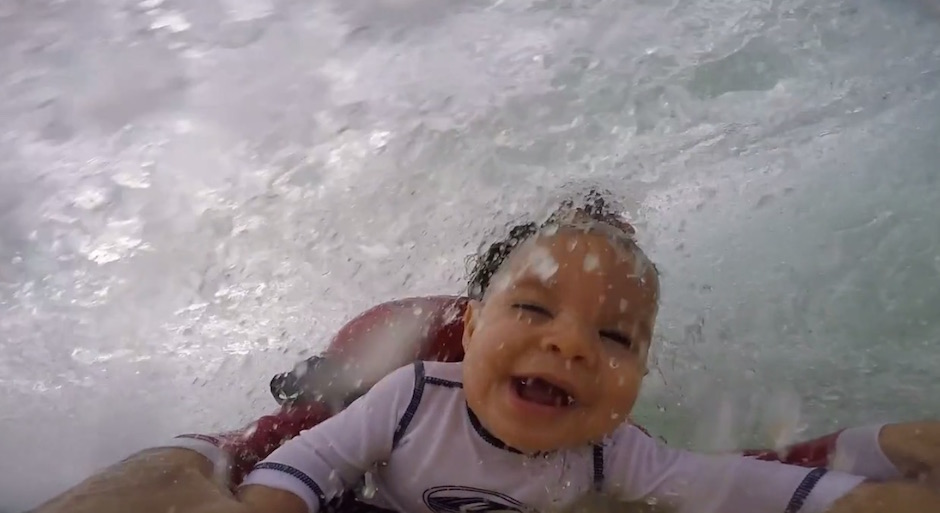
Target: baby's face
pixel 556 351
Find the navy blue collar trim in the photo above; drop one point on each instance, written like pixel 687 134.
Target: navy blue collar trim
pixel 491 439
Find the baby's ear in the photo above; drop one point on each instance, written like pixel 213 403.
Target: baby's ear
pixel 470 315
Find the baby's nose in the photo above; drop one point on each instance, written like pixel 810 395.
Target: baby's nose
pixel 573 343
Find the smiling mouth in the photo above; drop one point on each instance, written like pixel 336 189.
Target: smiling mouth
pixel 541 391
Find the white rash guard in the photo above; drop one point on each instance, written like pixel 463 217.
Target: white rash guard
pixel 427 452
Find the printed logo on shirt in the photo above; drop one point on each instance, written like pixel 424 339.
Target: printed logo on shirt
pixel 464 499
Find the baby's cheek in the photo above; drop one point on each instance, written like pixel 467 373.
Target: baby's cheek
pixel 623 389
pixel 625 380
pixel 615 415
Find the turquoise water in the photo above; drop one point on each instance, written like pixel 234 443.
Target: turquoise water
pixel 195 195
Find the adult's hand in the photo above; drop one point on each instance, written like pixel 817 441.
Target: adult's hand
pixel 892 497
pixel 914 448
pixel 153 481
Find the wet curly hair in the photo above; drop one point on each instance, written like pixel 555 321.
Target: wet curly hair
pixel 598 209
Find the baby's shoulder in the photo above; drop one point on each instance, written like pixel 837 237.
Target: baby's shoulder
pixel 444 374
pixel 629 442
pixel 630 433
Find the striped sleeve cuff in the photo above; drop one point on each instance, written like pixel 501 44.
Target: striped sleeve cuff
pixel 859 452
pixel 289 479
pixel 828 487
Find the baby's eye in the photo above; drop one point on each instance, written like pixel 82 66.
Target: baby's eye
pixel 617 337
pixel 529 307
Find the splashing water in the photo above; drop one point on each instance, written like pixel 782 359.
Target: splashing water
pixel 369 488
pixel 541 263
pixel 216 219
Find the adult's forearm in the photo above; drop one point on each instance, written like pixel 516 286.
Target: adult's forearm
pixel 153 481
pixel 894 497
pixel 914 448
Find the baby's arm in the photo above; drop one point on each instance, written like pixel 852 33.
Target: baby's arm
pixel 909 450
pixel 306 473
pixel 641 469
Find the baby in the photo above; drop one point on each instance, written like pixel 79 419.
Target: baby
pixel 534 417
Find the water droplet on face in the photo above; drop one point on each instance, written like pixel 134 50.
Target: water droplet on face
pixel 614 363
pixel 623 305
pixel 591 262
pixel 614 416
pixel 542 263
pixel 568 364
